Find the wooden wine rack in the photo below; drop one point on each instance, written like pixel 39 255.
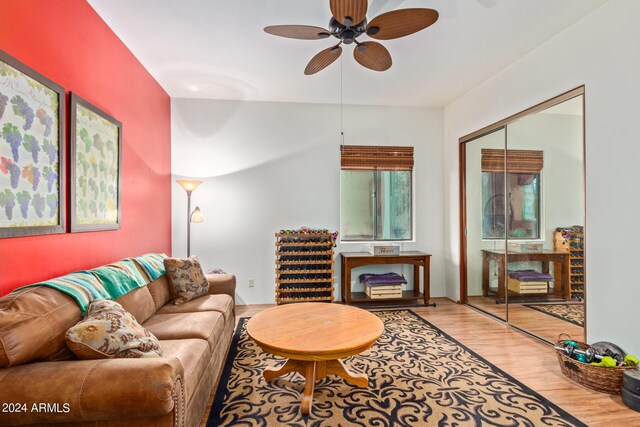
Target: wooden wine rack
pixel 304 267
pixel 572 240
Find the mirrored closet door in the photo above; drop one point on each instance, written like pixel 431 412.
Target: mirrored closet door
pixel 485 224
pixel 523 217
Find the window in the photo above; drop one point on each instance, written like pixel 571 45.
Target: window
pixel 523 194
pixel 376 193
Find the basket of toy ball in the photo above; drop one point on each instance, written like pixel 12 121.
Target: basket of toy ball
pixel 598 366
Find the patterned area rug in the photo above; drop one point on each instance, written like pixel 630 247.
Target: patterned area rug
pixel 572 313
pixel 418 376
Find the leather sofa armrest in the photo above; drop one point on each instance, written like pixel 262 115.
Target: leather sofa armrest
pixel 222 284
pixel 92 390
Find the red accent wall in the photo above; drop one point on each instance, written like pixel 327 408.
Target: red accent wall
pixel 68 42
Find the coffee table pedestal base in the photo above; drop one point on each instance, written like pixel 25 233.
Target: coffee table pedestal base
pixel 313 371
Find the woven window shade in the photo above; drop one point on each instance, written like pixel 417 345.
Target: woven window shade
pixel 366 157
pixel 518 161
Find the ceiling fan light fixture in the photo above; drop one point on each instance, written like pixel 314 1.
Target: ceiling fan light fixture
pixel 349 36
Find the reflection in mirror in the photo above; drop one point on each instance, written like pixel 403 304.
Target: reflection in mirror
pixel 485 224
pixel 544 221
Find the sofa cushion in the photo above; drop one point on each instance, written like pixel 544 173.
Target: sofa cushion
pixel 139 303
pixel 159 290
pixel 186 278
pixel 206 325
pixel 221 303
pixel 194 356
pixel 108 331
pixel 33 323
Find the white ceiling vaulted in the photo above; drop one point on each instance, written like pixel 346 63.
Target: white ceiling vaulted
pixel 216 49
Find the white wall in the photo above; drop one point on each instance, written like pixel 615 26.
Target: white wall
pixel 269 166
pixel 601 52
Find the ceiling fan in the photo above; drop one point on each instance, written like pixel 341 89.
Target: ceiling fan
pixel 349 21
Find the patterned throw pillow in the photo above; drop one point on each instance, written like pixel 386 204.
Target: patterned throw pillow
pixel 186 278
pixel 109 331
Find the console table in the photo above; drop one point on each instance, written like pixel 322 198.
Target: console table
pixel 350 260
pixel 560 260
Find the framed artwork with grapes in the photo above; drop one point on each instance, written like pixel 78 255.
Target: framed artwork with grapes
pixel 96 168
pixel 32 121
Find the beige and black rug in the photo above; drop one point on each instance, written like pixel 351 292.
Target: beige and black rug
pixel 572 313
pixel 418 376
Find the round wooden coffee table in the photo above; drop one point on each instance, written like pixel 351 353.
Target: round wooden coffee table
pixel 314 337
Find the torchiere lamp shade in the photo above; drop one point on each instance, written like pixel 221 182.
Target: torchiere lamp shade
pixel 188 184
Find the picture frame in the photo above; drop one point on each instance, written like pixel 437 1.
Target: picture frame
pixel 32 152
pixel 96 168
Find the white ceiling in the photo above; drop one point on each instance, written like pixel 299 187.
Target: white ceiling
pixel 216 49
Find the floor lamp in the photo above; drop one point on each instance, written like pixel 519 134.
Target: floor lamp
pixel 189 186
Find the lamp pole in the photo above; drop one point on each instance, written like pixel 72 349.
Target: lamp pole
pixel 189 185
pixel 189 223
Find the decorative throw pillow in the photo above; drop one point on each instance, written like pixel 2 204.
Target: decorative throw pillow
pixel 186 278
pixel 109 331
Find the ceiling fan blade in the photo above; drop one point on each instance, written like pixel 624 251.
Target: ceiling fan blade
pixel 323 59
pixel 373 56
pixel 303 32
pixel 348 12
pixel 400 23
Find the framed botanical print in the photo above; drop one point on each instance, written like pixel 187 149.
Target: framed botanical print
pixel 32 122
pixel 96 168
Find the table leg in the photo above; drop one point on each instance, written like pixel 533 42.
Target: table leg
pixel 307 394
pixel 342 279
pixel 427 280
pixel 290 365
pixel 501 275
pixel 485 274
pixel 545 267
pixel 347 280
pixel 566 282
pixel 337 367
pixel 313 371
pixel 416 279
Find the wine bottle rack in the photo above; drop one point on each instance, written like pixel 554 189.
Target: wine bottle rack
pixel 571 239
pixel 304 267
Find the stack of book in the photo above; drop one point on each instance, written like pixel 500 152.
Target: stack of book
pixel 382 286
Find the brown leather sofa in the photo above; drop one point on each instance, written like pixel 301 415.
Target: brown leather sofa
pixel 56 388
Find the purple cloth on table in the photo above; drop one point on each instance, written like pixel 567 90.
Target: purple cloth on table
pixel 530 275
pixel 382 279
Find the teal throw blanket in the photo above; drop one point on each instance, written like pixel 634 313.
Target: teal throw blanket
pixel 120 277
pixel 152 264
pixel 108 282
pixel 82 286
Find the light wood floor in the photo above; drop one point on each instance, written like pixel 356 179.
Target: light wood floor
pixel 527 359
pixel 536 322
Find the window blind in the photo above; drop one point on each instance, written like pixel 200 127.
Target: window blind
pixel 367 157
pixel 518 161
